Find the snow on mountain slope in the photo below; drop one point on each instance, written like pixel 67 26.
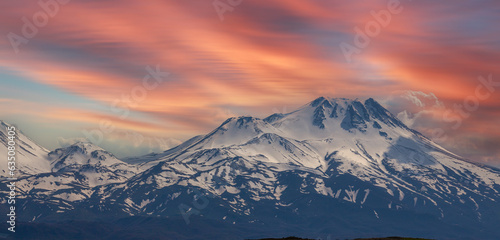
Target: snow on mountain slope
pixel 42 173
pixel 84 163
pixel 31 158
pixel 358 134
pixel 75 170
pixel 96 165
pixel 328 145
pixel 81 153
pixel 235 131
pixel 327 156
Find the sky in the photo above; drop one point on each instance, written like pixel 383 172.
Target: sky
pixel 138 77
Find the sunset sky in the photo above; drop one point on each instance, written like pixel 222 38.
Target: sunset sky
pixel 70 67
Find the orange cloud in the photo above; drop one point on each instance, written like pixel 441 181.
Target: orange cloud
pixel 263 54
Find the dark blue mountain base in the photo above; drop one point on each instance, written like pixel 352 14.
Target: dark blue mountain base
pixel 335 168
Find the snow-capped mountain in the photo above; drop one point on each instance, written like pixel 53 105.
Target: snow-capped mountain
pixel 327 146
pixel 81 153
pixel 31 158
pixel 81 165
pixel 96 165
pixel 65 174
pixel 333 165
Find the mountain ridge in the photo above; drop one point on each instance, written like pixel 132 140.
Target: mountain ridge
pixel 329 157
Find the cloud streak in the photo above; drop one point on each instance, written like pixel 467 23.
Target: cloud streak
pixel 279 53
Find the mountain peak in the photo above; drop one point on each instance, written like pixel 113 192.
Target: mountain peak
pixel 317 101
pixel 327 114
pixel 321 118
pixel 81 153
pixel 330 101
pixel 351 155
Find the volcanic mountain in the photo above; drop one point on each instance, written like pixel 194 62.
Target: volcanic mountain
pixel 346 168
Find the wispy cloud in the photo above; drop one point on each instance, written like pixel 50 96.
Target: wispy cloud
pixel 265 53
